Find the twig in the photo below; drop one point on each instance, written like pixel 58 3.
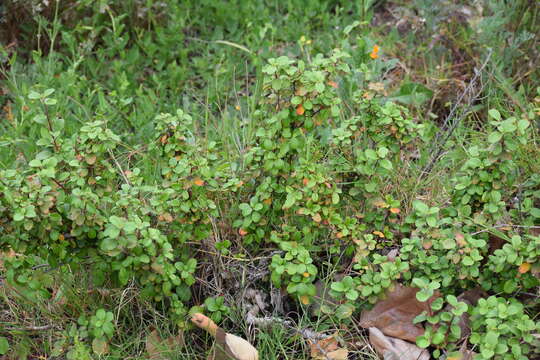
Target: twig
pixel 450 122
pixel 31 328
pixel 506 225
pixel 119 167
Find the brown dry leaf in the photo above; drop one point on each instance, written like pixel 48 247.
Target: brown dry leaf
pixel 157 348
pixel 395 314
pixel 328 349
pixel 392 348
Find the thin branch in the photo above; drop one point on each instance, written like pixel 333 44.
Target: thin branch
pixel 119 167
pixel 506 225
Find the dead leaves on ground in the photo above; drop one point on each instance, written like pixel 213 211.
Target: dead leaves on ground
pixel 395 314
pixel 160 349
pixel 393 348
pixel 328 349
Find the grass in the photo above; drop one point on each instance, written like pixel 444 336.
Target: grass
pixel 126 61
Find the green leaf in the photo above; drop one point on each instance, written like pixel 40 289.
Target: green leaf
pixel 4 345
pixel 371 154
pixel 422 342
pixel 382 152
pixel 495 114
pixel 508 126
pixel 50 101
pixel 523 124
pixel 337 286
pixel 344 311
pixel 510 286
pixel 420 207
pixel 385 163
pixel 117 221
pixel 33 95
pixel 18 215
pixel 494 137
pixel 423 295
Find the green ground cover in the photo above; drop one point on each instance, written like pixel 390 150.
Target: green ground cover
pixel 159 158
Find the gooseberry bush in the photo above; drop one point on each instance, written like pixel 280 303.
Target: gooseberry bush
pixel 317 183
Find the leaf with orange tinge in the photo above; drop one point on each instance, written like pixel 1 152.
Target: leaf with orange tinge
pixel 460 239
pixel 304 299
pixel 300 110
pixel 198 182
pixel 392 348
pixel 395 210
pixel 378 233
pixel 333 84
pixel 395 314
pixel 328 349
pixel 525 267
pixel 242 232
pixel 317 218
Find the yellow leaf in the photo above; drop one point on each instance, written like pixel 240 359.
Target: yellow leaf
pixel 525 267
pixel 380 204
pixel 317 218
pixel 304 299
pixel 378 233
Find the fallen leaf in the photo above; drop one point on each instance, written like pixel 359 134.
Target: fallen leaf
pixel 392 348
pixel 328 349
pixel 395 314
